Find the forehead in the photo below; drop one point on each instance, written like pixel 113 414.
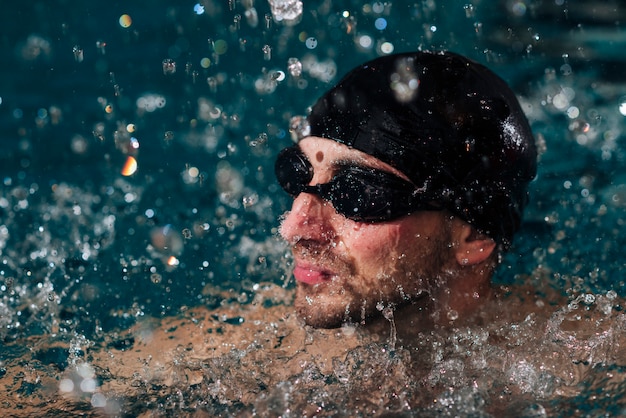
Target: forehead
pixel 324 152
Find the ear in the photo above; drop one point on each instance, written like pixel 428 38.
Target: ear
pixel 473 247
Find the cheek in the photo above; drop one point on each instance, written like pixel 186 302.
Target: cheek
pixel 371 243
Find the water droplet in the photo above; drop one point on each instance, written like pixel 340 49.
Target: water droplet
pixel 622 106
pixel 299 128
pixel 78 53
pixel 169 66
pixel 125 21
pixel 452 315
pixel 252 17
pixel 518 8
pixel 404 81
pixel 294 66
pixel 478 28
pixel 267 52
pixel 287 12
pixel 365 41
pixel 167 240
pixel 311 43
pixel 198 9
pixel 386 48
pixel 250 200
pixel 278 75
pixel 101 45
pixel 378 7
pixel 130 166
pixel 220 47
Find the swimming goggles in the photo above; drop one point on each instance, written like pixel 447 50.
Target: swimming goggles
pixel 359 193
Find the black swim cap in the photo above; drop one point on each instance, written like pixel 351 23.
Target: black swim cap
pixel 446 122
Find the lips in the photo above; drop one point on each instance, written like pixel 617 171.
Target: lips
pixel 310 274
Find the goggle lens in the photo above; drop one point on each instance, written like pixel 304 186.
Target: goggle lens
pixel 358 193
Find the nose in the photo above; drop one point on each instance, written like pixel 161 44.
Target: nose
pixel 309 219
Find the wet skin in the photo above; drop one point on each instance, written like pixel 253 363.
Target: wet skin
pixel 343 268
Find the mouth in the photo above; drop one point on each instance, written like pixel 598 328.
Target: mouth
pixel 311 274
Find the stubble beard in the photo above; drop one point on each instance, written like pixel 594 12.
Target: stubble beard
pixel 324 305
pixel 340 300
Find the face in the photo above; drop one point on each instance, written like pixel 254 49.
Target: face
pixel 350 270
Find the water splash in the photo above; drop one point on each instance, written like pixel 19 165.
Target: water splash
pixel 288 12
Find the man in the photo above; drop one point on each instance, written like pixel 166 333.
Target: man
pixel 409 178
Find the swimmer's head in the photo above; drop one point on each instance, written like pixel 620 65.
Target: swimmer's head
pixel 452 126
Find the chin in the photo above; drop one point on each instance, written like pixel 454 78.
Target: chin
pixel 320 310
pixel 318 317
pixel 323 310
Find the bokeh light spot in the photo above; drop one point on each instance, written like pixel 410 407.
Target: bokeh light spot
pixel 220 47
pixel 198 9
pixel 365 41
pixel 518 8
pixel 622 107
pixel 311 43
pixel 378 7
pixel 130 166
pixel 125 21
pixel 386 48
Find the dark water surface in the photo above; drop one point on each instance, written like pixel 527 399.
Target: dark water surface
pixel 201 95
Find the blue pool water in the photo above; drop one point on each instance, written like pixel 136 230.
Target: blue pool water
pixel 200 94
